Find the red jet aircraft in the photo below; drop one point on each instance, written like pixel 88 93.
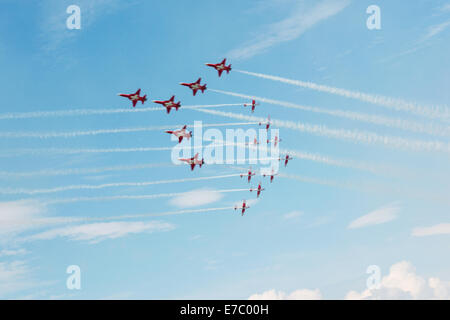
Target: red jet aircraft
pixel 276 140
pixel 243 207
pixel 255 142
pixel 267 123
pixel 195 86
pixel 169 104
pixel 258 190
pixel 273 174
pixel 249 174
pixel 253 104
pixel 181 133
pixel 194 161
pixel 286 159
pixel 134 97
pixel 220 67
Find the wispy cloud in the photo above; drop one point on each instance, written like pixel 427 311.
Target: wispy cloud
pixel 96 232
pixel 302 18
pixel 195 198
pixel 379 216
pixel 292 215
pixel 443 228
pixel 12 252
pixel 434 30
pixel 301 294
pixel 14 276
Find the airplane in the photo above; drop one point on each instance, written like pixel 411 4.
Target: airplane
pixel 271 175
pixel 249 174
pixel 253 104
pixel 286 159
pixel 134 97
pixel 181 133
pixel 220 67
pixel 194 161
pixel 195 86
pixel 267 123
pixel 276 140
pixel 169 104
pixel 258 190
pixel 243 207
pixel 255 142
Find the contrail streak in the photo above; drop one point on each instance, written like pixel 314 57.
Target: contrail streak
pixel 437 112
pixel 344 163
pixel 65 172
pixel 10 191
pixel 407 125
pixel 73 134
pixel 89 112
pixel 129 197
pixel 168 213
pixel 341 134
pixel 33 151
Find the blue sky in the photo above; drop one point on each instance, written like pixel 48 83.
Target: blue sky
pixel 315 229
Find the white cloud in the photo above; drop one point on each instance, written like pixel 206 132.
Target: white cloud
pixel 443 228
pixel 19 216
pixel 9 253
pixel 435 30
pixel 292 215
pixel 194 198
pixel 403 282
pixel 381 215
pixel 13 277
pixel 96 232
pixel 302 294
pixel 290 28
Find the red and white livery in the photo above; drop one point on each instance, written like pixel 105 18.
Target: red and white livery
pixel 194 161
pixel 267 124
pixel 243 207
pixel 253 104
pixel 271 175
pixel 181 133
pixel 275 141
pixel 258 190
pixel 249 174
pixel 255 142
pixel 195 86
pixel 286 159
pixel 134 97
pixel 220 67
pixel 169 104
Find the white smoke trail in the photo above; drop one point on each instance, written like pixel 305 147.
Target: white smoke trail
pixel 11 191
pixel 89 112
pixel 64 172
pixel 128 197
pixel 168 213
pixel 35 151
pixel 314 157
pixel 437 112
pixel 341 134
pixel 73 134
pixel 403 124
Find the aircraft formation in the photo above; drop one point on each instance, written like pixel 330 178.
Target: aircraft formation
pixel 183 133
